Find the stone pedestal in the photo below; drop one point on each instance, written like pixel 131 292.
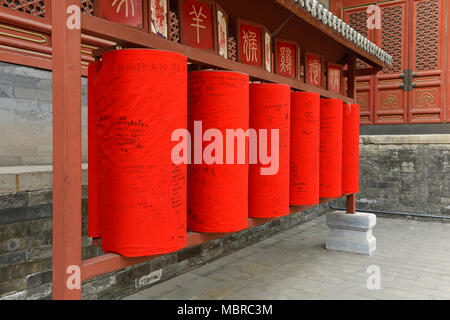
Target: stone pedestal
pixel 351 232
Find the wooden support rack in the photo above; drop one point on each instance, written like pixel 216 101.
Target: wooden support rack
pixel 66 67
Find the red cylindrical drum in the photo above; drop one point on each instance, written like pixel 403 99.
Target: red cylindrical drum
pixel 305 141
pixel 330 148
pixel 350 149
pixel 94 223
pixel 218 104
pixel 142 193
pixel 269 175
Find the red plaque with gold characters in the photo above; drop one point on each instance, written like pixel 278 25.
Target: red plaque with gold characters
pixel 250 43
pixel 314 69
pixel 197 23
pixel 286 58
pixel 128 12
pixel 334 77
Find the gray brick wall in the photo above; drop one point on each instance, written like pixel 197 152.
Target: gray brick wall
pixel 409 173
pixel 26 116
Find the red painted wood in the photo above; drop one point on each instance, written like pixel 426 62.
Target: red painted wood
pixel 357 18
pixel 351 203
pixel 314 69
pixel 197 23
pixel 250 43
pixel 391 100
pixel 447 39
pixel 427 57
pixel 129 12
pixel 414 34
pixel 114 32
pixel 286 58
pixel 66 150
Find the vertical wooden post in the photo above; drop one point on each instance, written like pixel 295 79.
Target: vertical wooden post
pixel 351 93
pixel 351 75
pixel 66 75
pixel 351 203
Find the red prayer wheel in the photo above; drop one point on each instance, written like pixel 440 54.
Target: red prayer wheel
pixel 218 175
pixel 350 149
pixel 269 188
pixel 305 142
pixel 142 193
pixel 330 148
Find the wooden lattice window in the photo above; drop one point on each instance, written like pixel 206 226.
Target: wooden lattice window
pixel 427 51
pixel 392 34
pixel 358 21
pixel 33 7
pixel 87 6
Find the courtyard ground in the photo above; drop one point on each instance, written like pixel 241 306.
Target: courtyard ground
pixel 412 257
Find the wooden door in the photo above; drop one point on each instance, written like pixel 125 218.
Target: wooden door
pixel 413 89
pixel 357 18
pixel 427 52
pixel 390 96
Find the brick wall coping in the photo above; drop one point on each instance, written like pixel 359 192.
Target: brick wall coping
pixel 406 139
pixel 30 178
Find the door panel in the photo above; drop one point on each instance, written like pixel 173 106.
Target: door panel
pixel 426 103
pixel 413 89
pixel 357 18
pixel 390 100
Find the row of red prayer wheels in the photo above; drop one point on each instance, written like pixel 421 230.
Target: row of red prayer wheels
pixel 142 202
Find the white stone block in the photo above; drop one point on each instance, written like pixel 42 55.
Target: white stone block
pixel 351 232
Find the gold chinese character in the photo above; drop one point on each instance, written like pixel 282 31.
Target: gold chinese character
pixel 198 19
pixel 286 60
pixel 314 69
pixel 250 46
pixel 120 3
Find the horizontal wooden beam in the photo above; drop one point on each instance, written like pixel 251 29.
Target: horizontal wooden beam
pixel 367 71
pixel 333 34
pixel 119 33
pixel 111 262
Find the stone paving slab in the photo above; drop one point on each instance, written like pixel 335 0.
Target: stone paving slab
pixel 413 258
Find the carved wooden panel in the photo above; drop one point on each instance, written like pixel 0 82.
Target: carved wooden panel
pixel 35 8
pixel 87 6
pixel 390 99
pixel 357 19
pixel 426 100
pixel 427 35
pixel 393 33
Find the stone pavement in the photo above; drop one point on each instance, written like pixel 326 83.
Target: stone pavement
pixel 413 258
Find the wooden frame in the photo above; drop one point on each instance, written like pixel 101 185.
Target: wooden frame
pixel 150 19
pixel 308 69
pixel 209 3
pixel 241 22
pixel 297 64
pixel 330 86
pixel 145 22
pixel 66 46
pixel 218 9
